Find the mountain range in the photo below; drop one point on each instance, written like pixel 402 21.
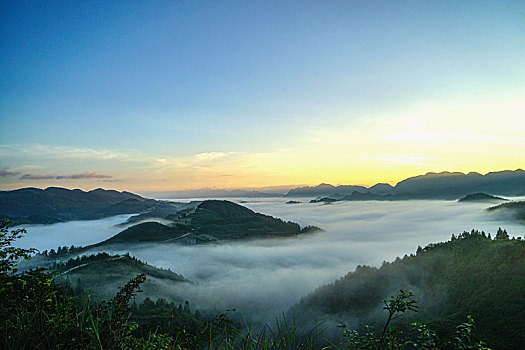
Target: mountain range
pixel 444 185
pixel 56 204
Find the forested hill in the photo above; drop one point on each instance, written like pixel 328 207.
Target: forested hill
pixel 515 209
pixel 224 220
pixel 55 204
pixel 102 274
pixel 210 221
pixel 470 275
pixel 481 197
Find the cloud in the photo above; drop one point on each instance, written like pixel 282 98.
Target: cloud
pixel 4 172
pixel 37 177
pixel 263 278
pixel 84 175
pixel 65 152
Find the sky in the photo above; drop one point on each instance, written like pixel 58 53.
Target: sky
pixel 176 95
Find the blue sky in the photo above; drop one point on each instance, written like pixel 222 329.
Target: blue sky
pixel 185 94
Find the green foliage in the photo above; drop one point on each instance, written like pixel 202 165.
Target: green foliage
pixel 37 313
pixel 10 255
pixel 396 307
pixel 463 339
pixel 420 337
pixel 469 275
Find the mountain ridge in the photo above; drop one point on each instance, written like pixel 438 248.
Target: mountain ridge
pixel 32 205
pixel 443 185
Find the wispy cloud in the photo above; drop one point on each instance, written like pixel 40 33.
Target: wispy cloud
pixel 5 172
pixel 112 180
pixel 63 152
pixel 196 161
pixel 37 177
pixel 84 175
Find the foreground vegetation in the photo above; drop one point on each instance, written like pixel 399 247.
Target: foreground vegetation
pixel 38 313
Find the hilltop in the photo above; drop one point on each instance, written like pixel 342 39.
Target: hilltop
pixel 103 274
pixel 481 197
pixel 210 221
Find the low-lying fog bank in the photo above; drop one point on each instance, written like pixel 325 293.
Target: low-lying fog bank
pixel 78 233
pixel 266 277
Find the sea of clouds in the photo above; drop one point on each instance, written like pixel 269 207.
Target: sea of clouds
pixel 266 277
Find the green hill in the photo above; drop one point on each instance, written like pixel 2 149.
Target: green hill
pixel 481 197
pixel 145 232
pixel 102 274
pixel 469 275
pixel 224 220
pixel 210 221
pixel 515 209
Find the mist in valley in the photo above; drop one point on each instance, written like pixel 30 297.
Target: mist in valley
pixel 263 278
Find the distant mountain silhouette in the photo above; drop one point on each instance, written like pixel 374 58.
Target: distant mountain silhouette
pixel 55 204
pixel 214 193
pixel 382 189
pixel 324 190
pixel 454 185
pixel 444 185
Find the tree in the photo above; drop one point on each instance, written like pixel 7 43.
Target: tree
pixel 502 234
pixel 10 255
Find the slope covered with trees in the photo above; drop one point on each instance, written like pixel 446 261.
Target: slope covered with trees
pixel 224 220
pixel 209 221
pixel 471 274
pixel 38 313
pixel 102 274
pixel 515 209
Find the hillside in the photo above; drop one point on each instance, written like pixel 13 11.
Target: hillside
pixel 471 274
pixel 516 210
pixel 481 197
pixel 224 220
pixel 209 221
pixel 102 274
pixel 55 204
pixel 144 232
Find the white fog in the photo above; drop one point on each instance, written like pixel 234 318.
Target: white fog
pixel 268 276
